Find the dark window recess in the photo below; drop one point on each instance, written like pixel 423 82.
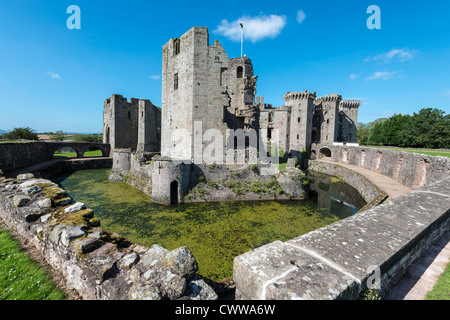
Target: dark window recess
pixel 269 133
pixel 270 117
pixel 222 70
pixel 129 114
pixel 176 46
pixel 175 81
pixel 239 72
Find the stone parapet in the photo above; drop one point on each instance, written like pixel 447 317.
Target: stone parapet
pixel 340 260
pixel 96 263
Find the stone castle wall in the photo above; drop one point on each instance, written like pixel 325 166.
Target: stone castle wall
pixel 412 170
pixel 340 260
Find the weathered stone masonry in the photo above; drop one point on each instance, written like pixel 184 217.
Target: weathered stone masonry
pixel 95 263
pixel 336 261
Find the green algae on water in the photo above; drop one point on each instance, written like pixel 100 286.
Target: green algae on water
pixel 214 232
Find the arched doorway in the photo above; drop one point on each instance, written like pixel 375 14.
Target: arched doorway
pixel 106 138
pixel 174 192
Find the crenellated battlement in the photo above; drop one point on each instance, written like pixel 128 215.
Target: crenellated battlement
pixel 290 96
pixel 332 97
pixel 351 104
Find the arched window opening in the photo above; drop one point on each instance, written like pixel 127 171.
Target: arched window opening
pixel 239 72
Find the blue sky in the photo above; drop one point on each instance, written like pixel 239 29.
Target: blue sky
pixel 53 78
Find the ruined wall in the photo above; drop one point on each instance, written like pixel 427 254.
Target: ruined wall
pixel 120 122
pixel 276 119
pixel 95 263
pixel 135 124
pixel 149 127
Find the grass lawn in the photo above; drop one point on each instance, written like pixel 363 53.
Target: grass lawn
pixel 21 278
pixel 427 152
pixel 441 290
pixel 94 153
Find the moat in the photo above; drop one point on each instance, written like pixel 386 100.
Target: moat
pixel 214 232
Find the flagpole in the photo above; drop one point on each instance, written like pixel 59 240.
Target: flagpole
pixel 242 37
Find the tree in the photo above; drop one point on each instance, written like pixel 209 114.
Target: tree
pixel 97 138
pixel 23 133
pixel 376 135
pixel 58 136
pixel 362 133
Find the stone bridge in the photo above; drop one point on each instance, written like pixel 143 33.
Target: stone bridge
pixel 15 155
pixel 79 147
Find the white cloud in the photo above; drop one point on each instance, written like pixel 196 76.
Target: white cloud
pixel 300 16
pixel 446 93
pixel 353 76
pixel 155 77
pixel 54 75
pixel 401 55
pixel 255 28
pixel 383 75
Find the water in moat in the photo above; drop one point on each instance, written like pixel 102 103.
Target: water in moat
pixel 214 232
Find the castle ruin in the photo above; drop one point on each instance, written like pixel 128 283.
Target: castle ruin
pixel 206 95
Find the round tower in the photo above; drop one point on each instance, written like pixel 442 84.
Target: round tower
pixel 170 180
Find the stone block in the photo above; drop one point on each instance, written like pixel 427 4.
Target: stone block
pixel 32 190
pixel 75 207
pixel 25 176
pixel 70 234
pixel 21 201
pixel 45 203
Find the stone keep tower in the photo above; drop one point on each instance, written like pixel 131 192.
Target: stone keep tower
pixel 300 122
pixel 192 91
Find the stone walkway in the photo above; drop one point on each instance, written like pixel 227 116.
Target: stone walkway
pixel 421 277
pixel 388 185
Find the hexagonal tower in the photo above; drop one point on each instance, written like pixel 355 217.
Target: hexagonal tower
pixel 329 118
pixel 300 122
pixel 348 118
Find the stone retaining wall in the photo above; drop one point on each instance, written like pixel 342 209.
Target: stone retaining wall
pixel 18 155
pixel 96 263
pixel 340 260
pixel 207 182
pixel 412 170
pixel 368 190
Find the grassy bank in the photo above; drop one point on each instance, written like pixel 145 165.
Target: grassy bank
pixel 441 290
pixel 20 277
